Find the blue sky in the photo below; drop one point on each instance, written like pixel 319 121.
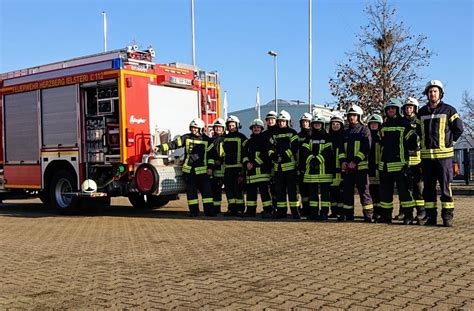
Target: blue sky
pixel 233 37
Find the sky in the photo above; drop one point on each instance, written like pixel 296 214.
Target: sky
pixel 234 36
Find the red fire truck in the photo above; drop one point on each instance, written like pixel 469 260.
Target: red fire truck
pixel 85 128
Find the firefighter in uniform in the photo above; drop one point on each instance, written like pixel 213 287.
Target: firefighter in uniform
pixel 336 131
pixel 305 126
pixel 283 150
pixel 410 110
pixel 195 167
pixel 233 171
pixel 441 127
pixel 216 160
pixel 375 123
pixel 257 168
pixel 397 138
pixel 315 161
pixel 270 120
pixel 354 154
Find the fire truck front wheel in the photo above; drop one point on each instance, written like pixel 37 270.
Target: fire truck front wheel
pixel 142 201
pixel 62 186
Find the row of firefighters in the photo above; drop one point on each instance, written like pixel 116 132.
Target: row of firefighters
pixel 409 147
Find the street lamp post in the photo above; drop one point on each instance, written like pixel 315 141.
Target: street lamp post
pixel 274 55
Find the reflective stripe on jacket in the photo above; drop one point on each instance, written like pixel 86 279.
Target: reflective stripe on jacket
pixel 441 127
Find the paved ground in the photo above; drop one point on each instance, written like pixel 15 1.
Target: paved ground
pixel 127 259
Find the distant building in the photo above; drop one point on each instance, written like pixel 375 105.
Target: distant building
pixel 295 107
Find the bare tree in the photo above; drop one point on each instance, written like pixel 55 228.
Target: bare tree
pixel 384 64
pixel 467 111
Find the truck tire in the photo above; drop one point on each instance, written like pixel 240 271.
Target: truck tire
pixel 63 181
pixel 45 197
pixel 141 201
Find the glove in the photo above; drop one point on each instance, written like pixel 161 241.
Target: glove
pixel 157 149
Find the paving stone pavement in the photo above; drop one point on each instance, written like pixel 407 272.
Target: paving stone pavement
pixel 122 258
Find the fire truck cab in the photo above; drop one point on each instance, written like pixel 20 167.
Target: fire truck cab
pixel 85 128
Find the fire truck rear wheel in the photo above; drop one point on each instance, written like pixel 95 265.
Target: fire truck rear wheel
pixel 62 184
pixel 45 197
pixel 142 201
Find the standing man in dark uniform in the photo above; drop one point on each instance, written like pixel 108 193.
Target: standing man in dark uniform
pixel 375 124
pixel 216 161
pixel 257 167
pixel 441 127
pixel 336 131
pixel 284 147
pixel 315 162
pixel 305 123
pixel 195 167
pixel 233 170
pixel 396 138
pixel 354 162
pixel 410 110
pixel 270 120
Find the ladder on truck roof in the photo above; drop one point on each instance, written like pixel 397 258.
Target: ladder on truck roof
pixel 128 55
pixel 94 58
pixel 211 103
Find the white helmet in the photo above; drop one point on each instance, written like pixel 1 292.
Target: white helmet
pixel 305 116
pixel 271 115
pixel 319 119
pixel 354 109
pixel 411 101
pixel 198 123
pixel 219 122
pixel 436 83
pixel 337 118
pixel 284 115
pixel 257 122
pixel 233 118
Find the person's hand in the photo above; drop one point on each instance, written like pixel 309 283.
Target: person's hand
pixel 249 166
pixel 209 172
pixel 344 166
pixel 352 166
pixel 157 149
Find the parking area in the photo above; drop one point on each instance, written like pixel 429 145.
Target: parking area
pixel 129 259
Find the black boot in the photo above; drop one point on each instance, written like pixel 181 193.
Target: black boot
pixel 313 213
pixel 376 216
pixel 295 213
pixel 430 219
pixel 323 216
pixel 251 211
pixel 408 216
pixel 349 214
pixel 193 211
pixel 400 215
pixel 280 213
pixel 305 210
pixel 334 211
pixel 231 211
pixel 368 214
pixel 447 214
pixel 385 216
pixel 267 212
pixel 342 215
pixel 420 212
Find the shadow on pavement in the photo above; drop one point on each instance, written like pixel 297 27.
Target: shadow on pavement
pixel 38 210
